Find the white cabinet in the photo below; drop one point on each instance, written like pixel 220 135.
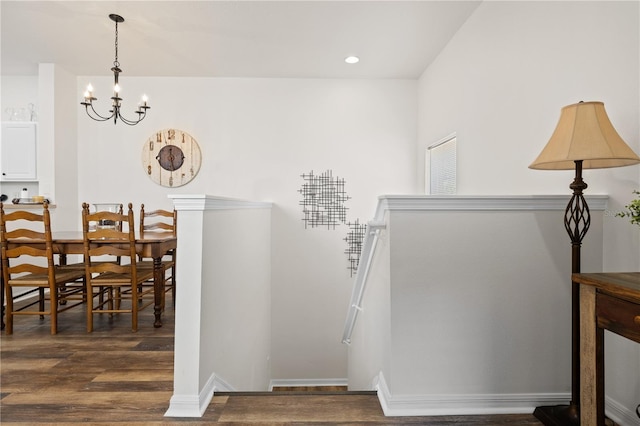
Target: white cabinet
pixel 18 151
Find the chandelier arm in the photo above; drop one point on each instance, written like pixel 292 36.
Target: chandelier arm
pixel 99 117
pixel 133 122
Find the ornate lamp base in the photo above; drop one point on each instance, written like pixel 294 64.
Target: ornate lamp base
pixel 576 221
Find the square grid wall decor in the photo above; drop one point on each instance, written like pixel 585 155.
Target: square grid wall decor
pixel 323 204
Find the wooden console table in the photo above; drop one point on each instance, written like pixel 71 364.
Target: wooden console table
pixel 608 301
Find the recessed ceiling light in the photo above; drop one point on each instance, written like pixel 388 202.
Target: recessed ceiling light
pixel 352 59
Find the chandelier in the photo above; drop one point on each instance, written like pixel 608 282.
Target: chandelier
pixel 115 106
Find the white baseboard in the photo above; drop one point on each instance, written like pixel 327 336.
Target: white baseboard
pixel 409 405
pixel 620 414
pixel 462 404
pixel 192 405
pixel 306 382
pixel 220 385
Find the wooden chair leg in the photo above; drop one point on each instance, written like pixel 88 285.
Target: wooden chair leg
pixel 89 309
pixel 8 328
pixel 134 308
pixel 100 296
pixel 41 301
pixel 173 286
pixel 53 307
pixel 110 299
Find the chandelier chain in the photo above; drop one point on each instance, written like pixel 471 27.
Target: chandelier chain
pixel 115 62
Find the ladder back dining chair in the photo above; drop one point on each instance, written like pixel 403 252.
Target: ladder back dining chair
pixel 28 264
pixel 166 222
pixel 111 266
pixel 81 265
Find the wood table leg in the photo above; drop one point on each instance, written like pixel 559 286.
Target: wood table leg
pixel 158 290
pixel 589 373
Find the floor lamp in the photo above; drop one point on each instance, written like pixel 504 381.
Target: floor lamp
pixel 583 139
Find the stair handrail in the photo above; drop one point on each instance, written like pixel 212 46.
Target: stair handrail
pixel 374 228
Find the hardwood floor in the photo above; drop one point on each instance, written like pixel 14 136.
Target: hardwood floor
pixel 114 376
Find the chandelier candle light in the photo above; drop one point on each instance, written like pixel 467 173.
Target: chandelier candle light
pixel 115 111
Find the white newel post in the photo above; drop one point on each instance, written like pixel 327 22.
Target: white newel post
pixel 188 399
pixel 223 262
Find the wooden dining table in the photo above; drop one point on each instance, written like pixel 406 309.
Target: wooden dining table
pixel 148 244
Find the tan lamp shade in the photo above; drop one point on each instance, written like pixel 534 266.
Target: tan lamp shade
pixel 585 133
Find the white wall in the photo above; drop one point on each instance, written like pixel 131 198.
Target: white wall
pixel 257 137
pixel 17 92
pixel 58 148
pixel 500 84
pixel 237 258
pixel 491 291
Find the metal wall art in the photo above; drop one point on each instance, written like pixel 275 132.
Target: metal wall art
pixel 323 199
pixel 354 239
pixel 323 204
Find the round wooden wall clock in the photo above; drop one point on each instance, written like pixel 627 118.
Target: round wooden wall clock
pixel 171 157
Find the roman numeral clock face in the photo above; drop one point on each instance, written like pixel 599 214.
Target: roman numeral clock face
pixel 171 157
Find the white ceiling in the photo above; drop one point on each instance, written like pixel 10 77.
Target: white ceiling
pixel 299 39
